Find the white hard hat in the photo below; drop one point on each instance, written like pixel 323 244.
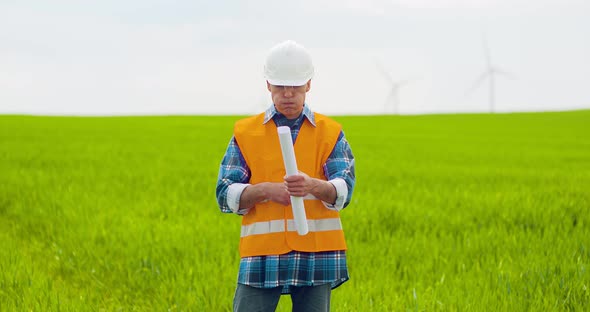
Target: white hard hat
pixel 288 64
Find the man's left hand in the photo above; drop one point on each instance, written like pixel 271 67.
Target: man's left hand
pixel 299 184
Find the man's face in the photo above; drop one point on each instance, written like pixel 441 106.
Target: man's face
pixel 289 100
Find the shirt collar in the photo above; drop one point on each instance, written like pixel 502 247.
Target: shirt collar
pixel 271 111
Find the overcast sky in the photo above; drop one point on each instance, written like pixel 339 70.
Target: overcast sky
pixel 205 57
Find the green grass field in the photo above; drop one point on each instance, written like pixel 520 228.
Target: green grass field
pixel 460 212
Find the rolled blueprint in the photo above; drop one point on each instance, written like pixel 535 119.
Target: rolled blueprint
pixel 291 169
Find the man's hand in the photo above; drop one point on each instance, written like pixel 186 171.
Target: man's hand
pixel 296 185
pixel 265 191
pixel 301 185
pixel 277 192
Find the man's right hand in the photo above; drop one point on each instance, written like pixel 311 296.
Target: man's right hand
pixel 256 193
pixel 277 192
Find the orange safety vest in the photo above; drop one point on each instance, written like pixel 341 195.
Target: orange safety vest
pixel 268 228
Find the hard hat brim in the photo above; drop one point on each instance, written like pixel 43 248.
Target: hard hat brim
pixel 281 82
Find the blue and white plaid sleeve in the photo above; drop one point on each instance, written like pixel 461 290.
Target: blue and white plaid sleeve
pixel 234 175
pixel 339 170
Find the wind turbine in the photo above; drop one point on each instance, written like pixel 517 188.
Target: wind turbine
pixel 392 99
pixel 490 74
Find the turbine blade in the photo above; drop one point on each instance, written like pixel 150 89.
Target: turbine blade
pixel 389 104
pixel 400 83
pixel 384 72
pixel 477 83
pixel 504 73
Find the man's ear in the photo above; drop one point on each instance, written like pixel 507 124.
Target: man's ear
pixel 268 85
pixel 308 85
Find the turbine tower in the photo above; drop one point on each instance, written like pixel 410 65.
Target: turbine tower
pixel 490 74
pixel 392 101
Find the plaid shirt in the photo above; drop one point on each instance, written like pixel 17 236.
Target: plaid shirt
pixel 294 268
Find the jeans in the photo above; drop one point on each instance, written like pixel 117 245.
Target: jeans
pixel 307 298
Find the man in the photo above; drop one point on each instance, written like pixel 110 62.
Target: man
pixel 275 259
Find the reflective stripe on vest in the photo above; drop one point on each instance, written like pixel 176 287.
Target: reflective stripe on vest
pixel 274 226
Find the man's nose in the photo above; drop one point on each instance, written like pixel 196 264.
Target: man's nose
pixel 288 91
